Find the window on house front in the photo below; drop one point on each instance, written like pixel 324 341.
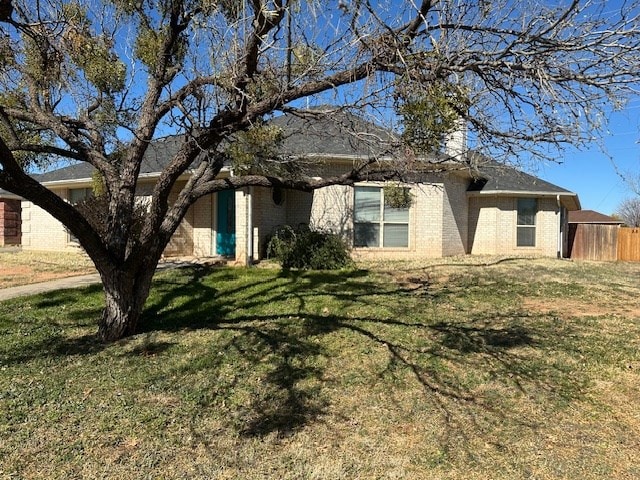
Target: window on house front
pixel 377 224
pixel 76 195
pixel 526 226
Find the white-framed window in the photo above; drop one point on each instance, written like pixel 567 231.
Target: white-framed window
pixel 377 224
pixel 75 196
pixel 526 223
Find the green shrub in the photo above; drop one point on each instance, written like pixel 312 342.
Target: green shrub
pixel 281 240
pixel 307 249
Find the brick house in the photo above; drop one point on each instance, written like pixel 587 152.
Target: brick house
pixel 10 219
pixel 486 208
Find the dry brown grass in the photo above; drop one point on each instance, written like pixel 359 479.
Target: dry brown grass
pixel 25 267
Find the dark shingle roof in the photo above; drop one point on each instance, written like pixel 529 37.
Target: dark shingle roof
pixel 72 172
pixel 336 133
pixel 495 177
pixel 155 159
pixel 591 216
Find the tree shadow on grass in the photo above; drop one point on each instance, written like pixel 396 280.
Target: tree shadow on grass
pixel 273 317
pixel 498 345
pixel 40 325
pixel 469 339
pixel 271 336
pixel 62 298
pixel 53 346
pixel 284 346
pixel 290 393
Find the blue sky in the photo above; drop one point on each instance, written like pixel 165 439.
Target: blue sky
pixel 595 175
pixel 591 173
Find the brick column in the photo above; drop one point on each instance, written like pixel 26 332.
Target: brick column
pixel 10 229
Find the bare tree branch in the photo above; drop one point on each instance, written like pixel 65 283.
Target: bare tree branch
pixel 99 81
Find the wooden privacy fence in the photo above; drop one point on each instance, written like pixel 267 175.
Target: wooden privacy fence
pixel 588 241
pixel 604 242
pixel 629 244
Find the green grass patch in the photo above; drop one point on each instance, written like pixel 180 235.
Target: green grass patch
pixel 460 370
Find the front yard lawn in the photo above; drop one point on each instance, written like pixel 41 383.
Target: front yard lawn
pixel 461 369
pixel 21 267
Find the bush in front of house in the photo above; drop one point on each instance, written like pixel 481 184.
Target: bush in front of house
pixel 307 249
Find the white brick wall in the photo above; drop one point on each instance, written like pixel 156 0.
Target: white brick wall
pixel 455 218
pixel 203 217
pixel 332 210
pixel 242 197
pixel 482 225
pixel 41 231
pixel 443 221
pixel 181 242
pixel 299 207
pixel 547 234
pixel 438 219
pixel 425 234
pixel 425 226
pixel 267 216
pixel 493 226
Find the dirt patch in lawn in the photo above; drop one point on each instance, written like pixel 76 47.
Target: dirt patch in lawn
pixel 562 288
pixel 573 308
pixel 22 268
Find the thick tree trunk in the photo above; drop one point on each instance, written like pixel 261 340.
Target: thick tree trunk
pixel 125 296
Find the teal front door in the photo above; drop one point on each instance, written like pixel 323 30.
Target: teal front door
pixel 226 225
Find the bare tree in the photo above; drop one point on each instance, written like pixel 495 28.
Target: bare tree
pixel 97 80
pixel 629 211
pixel 633 182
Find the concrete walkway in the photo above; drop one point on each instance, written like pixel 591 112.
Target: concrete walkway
pixel 93 278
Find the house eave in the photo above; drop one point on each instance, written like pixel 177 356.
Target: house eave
pixel 425 159
pixel 567 196
pixel 77 182
pixel 144 177
pixel 342 157
pixel 4 195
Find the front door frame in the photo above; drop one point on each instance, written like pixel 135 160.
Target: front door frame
pixel 225 223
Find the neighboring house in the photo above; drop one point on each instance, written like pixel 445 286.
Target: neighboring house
pixel 492 210
pixel 591 217
pixel 10 219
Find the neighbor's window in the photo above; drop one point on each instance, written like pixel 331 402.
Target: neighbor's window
pixel 527 208
pixel 377 224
